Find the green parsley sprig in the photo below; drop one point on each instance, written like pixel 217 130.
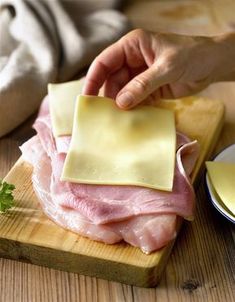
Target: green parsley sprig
pixel 6 196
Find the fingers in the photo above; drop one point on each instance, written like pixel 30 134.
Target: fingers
pixel 109 61
pixel 128 51
pixel 119 79
pixel 115 82
pixel 140 87
pixel 128 70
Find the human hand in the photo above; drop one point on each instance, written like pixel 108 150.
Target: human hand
pixel 145 66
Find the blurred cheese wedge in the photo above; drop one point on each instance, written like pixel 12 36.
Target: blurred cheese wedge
pixel 62 104
pixel 116 147
pixel 222 177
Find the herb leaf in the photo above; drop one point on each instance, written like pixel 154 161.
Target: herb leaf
pixel 6 197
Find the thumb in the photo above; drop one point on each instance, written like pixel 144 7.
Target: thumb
pixel 140 87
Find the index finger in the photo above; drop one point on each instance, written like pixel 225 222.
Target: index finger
pixel 109 61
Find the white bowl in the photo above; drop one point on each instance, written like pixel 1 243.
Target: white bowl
pixel 227 155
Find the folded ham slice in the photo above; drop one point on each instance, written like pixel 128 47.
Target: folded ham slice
pixel 142 217
pixel 139 231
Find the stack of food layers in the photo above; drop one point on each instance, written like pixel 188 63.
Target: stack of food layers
pixel 109 174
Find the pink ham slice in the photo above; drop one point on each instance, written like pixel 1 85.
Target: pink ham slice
pixel 103 204
pixel 148 232
pixel 65 217
pixel 143 217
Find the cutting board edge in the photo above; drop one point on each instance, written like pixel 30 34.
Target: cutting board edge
pixel 86 265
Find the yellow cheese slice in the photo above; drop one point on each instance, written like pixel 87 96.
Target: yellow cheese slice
pixel 62 99
pixel 222 176
pixel 116 147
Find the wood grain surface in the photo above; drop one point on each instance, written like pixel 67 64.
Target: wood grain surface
pixel 202 265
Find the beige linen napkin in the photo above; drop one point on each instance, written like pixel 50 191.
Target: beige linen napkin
pixel 48 41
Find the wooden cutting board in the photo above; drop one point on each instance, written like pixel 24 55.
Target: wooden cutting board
pixel 27 234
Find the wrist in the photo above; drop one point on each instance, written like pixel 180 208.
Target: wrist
pixel 224 55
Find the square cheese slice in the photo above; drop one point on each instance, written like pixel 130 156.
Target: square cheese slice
pixel 115 147
pixel 62 99
pixel 222 176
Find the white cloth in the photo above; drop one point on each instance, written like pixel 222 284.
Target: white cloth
pixel 48 41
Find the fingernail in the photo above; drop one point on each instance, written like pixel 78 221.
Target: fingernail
pixel 125 99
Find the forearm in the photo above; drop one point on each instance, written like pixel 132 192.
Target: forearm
pixel 224 57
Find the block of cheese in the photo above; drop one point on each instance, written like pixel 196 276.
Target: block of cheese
pixel 116 147
pixel 222 177
pixel 62 104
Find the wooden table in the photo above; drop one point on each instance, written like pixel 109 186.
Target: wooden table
pixel 202 265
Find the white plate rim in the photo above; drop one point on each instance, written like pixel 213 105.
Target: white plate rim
pixel 222 154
